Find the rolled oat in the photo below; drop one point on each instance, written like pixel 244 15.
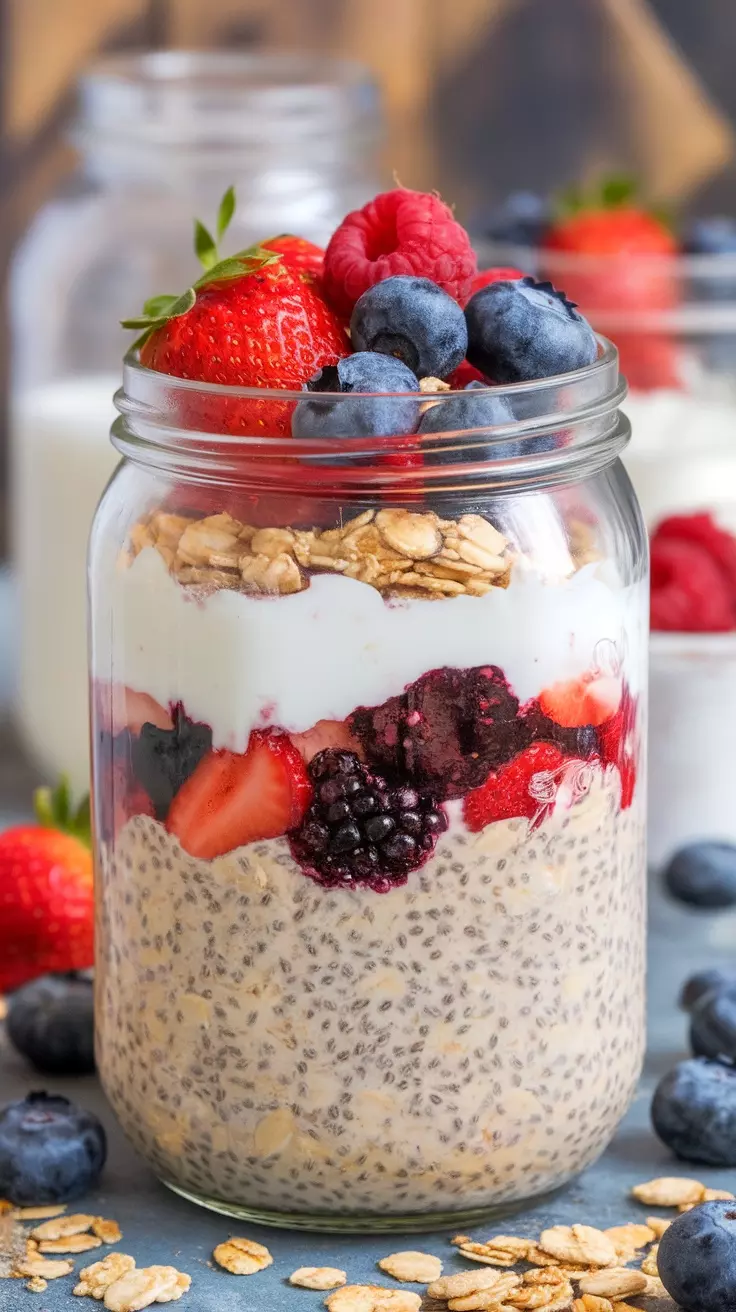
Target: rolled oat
pixel 590 1303
pixel 37 1285
pixel 34 1265
pixel 630 1238
pixel 242 1257
pixel 36 1213
pixel 108 1231
pixel 649 1265
pixel 94 1280
pixel 70 1244
pixel 668 1191
pixel 463 1283
pixel 579 1244
pixel 318 1277
pixel 487 1298
pixel 415 1267
pixel 372 1298
pixel 76 1224
pixel 143 1286
pixel 613 1282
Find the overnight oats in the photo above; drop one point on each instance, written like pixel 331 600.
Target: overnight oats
pixel 368 694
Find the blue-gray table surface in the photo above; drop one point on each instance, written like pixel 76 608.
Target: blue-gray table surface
pixel 160 1228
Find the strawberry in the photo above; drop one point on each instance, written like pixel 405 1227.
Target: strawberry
pixel 625 270
pixel 236 798
pixel 520 788
pixel 619 743
pixel 324 734
pixel 591 699
pixel 46 892
pixel 298 253
pixel 253 320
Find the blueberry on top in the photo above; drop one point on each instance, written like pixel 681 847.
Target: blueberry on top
pixel 50 1150
pixel 696 1258
pixel 163 759
pixel 414 320
pixel 703 875
pixel 51 1022
pixel 702 982
pixel 365 415
pixel 477 408
pixel 522 330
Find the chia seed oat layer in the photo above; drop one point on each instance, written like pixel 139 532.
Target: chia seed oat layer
pixel 471 1037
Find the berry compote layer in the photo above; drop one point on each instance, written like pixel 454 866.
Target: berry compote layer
pixel 371 860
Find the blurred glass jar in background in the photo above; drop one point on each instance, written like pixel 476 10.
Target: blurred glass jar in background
pixel 158 135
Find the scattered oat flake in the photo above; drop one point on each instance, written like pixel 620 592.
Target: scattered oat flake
pixel 709 1196
pixel 142 1286
pixel 418 1268
pixel 372 1298
pixel 655 1288
pixel 613 1282
pixel 34 1265
pixel 459 1240
pixel 76 1224
pixel 589 1303
pixel 465 1282
pixel 581 1244
pixel 242 1257
pixel 37 1285
pixel 630 1238
pixel 70 1244
pixel 669 1191
pixel 487 1298
pixel 39 1213
pixel 108 1231
pixel 543 1297
pixel 658 1224
pixel 626 1307
pixel 649 1265
pixel 317 1277
pixel 94 1280
pixel 548 1275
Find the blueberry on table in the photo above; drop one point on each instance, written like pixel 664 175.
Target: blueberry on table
pixel 713 1025
pixel 51 1022
pixel 694 1112
pixel 704 981
pixel 414 320
pixel 51 1151
pixel 696 1258
pixel 703 875
pixel 522 330
pixel 364 415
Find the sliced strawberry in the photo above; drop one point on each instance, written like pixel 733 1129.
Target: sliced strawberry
pixel 591 699
pixel 233 798
pixel 324 734
pixel 619 744
pixel 520 788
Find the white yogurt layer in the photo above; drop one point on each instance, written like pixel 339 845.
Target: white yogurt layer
pixel 240 662
pixel 683 451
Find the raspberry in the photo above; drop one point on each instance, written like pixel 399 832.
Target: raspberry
pixel 401 231
pixel 690 593
pixel 703 530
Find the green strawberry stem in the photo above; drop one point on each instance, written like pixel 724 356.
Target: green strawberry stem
pixel 610 193
pixel 53 808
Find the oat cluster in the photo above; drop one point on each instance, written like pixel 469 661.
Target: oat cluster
pixel 401 552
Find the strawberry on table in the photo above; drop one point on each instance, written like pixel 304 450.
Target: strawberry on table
pixel 235 798
pixel 46 892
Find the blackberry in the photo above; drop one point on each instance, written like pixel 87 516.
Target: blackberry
pixel 361 832
pixel 163 759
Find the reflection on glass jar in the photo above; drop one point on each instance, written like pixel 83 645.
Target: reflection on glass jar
pixel 369 802
pixel 159 135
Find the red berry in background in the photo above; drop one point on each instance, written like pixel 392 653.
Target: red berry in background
pixel 689 592
pixel 399 232
pixel 702 529
pixel 298 253
pixel 484 277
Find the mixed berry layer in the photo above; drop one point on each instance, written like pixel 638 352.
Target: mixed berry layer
pixel 362 801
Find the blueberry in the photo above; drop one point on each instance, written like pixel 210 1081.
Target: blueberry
pixel 414 320
pixel 694 1111
pixel 365 415
pixel 704 981
pixel 50 1150
pixel 521 220
pixel 463 411
pixel 50 1021
pixel 703 875
pixel 522 330
pixel 711 236
pixel 714 236
pixel 163 759
pixel 696 1258
pixel 713 1025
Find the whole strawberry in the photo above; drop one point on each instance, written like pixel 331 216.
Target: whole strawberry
pixel 297 253
pixel 46 893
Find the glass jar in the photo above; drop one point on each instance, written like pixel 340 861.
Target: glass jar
pixel 369 801
pixel 159 135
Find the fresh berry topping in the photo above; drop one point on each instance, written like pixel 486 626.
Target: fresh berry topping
pixel 367 415
pixel 521 220
pixel 524 330
pixel 51 1022
pixel 324 734
pixel 163 759
pixel 51 1151
pixel 464 374
pixel 233 799
pixel 46 893
pixel 689 593
pixel 359 831
pixel 696 1257
pixel 485 277
pixel 523 787
pixel 413 319
pixel 590 699
pixel 477 407
pixel 399 232
pixel 703 875
pixel 703 982
pixel 297 253
pixel 713 1025
pixel 445 732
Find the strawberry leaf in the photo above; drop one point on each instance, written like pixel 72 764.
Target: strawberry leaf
pixel 54 811
pixel 225 212
pixel 158 306
pixel 618 190
pixel 205 245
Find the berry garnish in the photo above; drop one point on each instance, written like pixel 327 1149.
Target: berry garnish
pixel 51 1022
pixel 297 253
pixel 713 1025
pixel 703 875
pixel 361 832
pixel 445 732
pixel 236 798
pixel 521 220
pixel 518 331
pixel 476 407
pixel 589 699
pixel 484 277
pixel 324 734
pixel 399 232
pixel 46 892
pixel 696 1257
pixel 163 759
pixel 525 787
pixel 703 982
pixel 413 319
pixel 51 1151
pixel 689 593
pixel 367 415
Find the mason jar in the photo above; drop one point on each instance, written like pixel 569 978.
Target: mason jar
pixel 159 136
pixel 369 807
